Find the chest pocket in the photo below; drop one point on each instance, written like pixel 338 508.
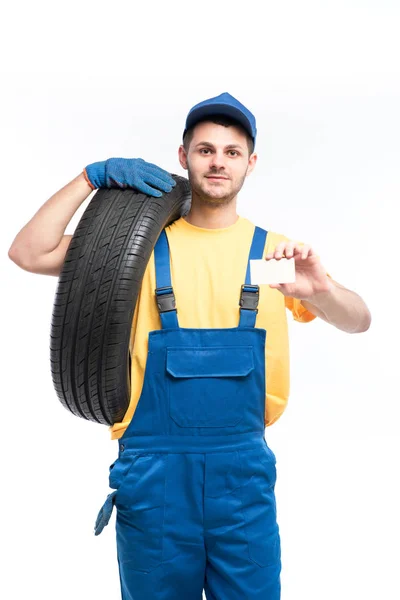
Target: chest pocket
pixel 208 386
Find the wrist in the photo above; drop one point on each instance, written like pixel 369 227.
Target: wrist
pixel 86 178
pixel 324 297
pixel 95 174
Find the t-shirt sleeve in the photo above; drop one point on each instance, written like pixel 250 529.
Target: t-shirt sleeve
pixel 299 312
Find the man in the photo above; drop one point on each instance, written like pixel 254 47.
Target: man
pixel 194 478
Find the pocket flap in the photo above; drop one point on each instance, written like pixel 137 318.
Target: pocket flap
pixel 219 361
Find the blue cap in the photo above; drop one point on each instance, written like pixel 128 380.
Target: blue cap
pixel 224 104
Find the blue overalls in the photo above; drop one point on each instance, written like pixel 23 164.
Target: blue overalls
pixel 194 479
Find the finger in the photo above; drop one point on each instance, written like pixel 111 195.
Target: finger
pixel 302 250
pixel 169 181
pixel 271 256
pixel 279 248
pixel 288 250
pixel 160 173
pixel 149 191
pixel 284 249
pixel 164 175
pixel 158 183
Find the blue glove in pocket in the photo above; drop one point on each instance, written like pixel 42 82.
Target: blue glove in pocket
pixel 105 513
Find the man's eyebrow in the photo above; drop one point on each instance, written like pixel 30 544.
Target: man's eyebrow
pixel 229 146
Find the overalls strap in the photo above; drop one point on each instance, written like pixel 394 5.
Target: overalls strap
pixel 250 294
pixel 165 297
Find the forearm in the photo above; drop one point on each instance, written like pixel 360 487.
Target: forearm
pixel 340 307
pixel 44 232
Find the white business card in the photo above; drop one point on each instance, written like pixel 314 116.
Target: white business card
pixel 272 271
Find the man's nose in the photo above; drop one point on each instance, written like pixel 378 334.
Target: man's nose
pixel 217 160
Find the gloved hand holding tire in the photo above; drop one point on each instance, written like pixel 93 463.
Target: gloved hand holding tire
pixel 135 173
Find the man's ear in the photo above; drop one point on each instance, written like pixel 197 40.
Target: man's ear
pixel 182 157
pixel 252 163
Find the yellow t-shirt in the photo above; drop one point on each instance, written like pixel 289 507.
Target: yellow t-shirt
pixel 208 268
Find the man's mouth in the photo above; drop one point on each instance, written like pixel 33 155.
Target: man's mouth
pixel 215 177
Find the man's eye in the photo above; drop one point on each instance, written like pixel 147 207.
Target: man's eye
pixel 234 151
pixel 205 150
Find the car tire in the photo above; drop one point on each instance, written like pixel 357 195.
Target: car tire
pixel 96 296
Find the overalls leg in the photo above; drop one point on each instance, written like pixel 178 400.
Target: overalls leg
pixel 194 478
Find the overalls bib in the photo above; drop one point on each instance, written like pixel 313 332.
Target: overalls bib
pixel 194 479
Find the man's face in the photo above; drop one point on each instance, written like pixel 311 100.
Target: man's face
pixel 217 162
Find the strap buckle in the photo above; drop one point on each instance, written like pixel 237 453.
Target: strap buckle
pixel 165 299
pixel 249 297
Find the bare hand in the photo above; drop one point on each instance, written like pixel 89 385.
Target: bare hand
pixel 311 277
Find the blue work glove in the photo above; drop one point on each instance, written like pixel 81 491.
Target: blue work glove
pixel 129 172
pixel 105 513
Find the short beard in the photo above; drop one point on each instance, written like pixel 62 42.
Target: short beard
pixel 208 200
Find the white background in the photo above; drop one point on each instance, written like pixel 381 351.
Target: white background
pixel 96 80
